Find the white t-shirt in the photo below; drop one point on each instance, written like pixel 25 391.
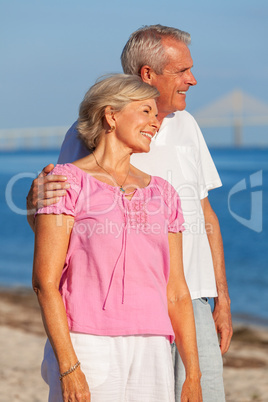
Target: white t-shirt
pixel 179 155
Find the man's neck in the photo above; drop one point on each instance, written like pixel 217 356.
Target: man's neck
pixel 161 116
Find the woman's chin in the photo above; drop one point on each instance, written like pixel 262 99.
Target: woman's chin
pixel 141 150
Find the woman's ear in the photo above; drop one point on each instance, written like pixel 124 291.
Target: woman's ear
pixel 147 74
pixel 109 116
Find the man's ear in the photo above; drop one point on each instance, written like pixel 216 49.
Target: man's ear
pixel 147 74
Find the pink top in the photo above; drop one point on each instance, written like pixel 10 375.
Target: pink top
pixel 117 265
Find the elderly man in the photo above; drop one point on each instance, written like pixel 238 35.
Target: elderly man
pixel 160 55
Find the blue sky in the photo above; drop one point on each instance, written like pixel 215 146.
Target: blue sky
pixel 52 51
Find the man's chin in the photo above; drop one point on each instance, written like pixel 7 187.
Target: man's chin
pixel 181 106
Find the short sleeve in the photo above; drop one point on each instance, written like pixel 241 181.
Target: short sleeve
pixel 175 215
pixel 67 203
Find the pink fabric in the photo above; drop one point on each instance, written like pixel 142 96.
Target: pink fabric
pixel 117 265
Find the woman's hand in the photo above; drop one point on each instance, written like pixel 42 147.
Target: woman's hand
pixel 191 390
pixel 75 387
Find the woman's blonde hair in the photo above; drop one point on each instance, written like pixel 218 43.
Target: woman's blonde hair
pixel 116 91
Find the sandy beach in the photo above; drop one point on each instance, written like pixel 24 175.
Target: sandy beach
pixel 23 338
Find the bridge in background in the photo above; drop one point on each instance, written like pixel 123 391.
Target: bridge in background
pixel 236 111
pixel 32 138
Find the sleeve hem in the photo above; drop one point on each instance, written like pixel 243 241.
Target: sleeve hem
pixel 176 229
pixel 211 186
pixel 54 211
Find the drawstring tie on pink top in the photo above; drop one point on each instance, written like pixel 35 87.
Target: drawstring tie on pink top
pixel 122 251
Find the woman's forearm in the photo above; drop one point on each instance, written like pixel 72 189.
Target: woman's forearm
pixel 181 314
pixel 182 319
pixel 51 244
pixel 180 308
pixel 52 235
pixel 73 383
pixel 56 325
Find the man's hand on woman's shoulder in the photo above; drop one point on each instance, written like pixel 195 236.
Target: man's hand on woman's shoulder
pixel 45 190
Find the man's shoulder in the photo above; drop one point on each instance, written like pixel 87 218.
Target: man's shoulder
pixel 73 129
pixel 72 147
pixel 182 116
pixel 181 124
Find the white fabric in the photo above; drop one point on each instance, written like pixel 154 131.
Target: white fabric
pixel 179 155
pixel 121 369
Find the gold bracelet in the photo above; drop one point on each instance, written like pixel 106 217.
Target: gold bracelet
pixel 70 370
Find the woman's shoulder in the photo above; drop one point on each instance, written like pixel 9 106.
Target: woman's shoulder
pixel 70 171
pixel 166 189
pixel 162 183
pixel 154 182
pixel 64 169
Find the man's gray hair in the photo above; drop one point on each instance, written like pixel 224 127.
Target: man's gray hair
pixel 144 47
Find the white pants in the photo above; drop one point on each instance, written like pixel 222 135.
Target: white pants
pixel 118 369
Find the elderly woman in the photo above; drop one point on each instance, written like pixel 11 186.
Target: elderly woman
pixel 108 266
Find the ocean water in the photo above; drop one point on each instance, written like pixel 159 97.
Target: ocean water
pixel 241 206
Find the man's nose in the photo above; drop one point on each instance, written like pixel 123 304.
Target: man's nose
pixel 192 81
